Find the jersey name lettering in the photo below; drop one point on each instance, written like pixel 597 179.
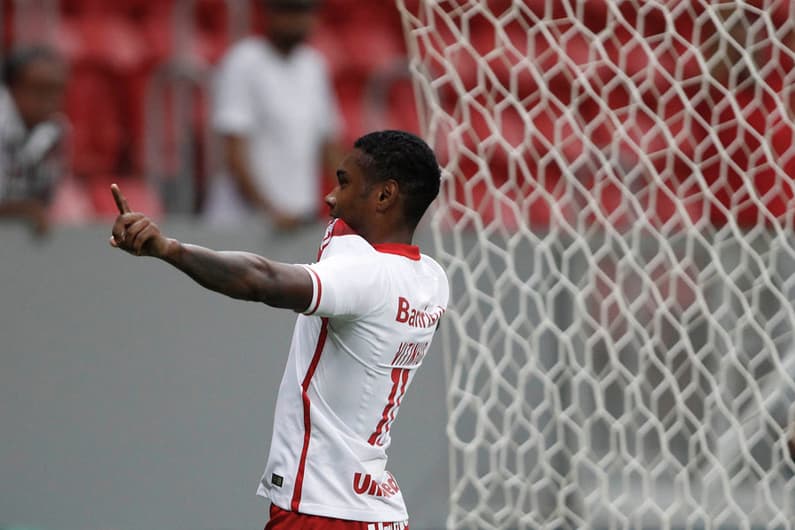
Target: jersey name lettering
pixel 410 353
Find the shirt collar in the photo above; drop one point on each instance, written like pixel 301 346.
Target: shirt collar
pixel 400 249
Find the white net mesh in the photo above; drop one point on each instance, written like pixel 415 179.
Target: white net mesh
pixel 616 219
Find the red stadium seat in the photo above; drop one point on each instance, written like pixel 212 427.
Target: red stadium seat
pixel 106 40
pixel 350 93
pixel 382 47
pixel 94 109
pixel 523 182
pixel 402 108
pixel 325 39
pixel 735 159
pixel 136 190
pixel 212 29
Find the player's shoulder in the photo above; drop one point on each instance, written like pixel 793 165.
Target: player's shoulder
pixel 245 51
pixel 433 266
pixel 339 238
pixel 310 64
pixel 311 55
pixel 437 272
pixel 432 263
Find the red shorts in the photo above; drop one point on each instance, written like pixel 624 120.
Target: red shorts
pixel 284 520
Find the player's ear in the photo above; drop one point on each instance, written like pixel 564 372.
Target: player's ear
pixel 387 195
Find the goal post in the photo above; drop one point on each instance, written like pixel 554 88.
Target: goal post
pixel 616 219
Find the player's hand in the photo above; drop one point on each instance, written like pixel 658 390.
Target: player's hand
pixel 134 232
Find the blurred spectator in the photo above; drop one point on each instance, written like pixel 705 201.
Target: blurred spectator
pixel 278 120
pixel 31 133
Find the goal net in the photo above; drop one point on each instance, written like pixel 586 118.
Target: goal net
pixel 616 219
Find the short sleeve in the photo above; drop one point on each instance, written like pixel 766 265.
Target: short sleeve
pixel 232 105
pixel 344 286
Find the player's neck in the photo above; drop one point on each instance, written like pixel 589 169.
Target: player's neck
pixel 378 235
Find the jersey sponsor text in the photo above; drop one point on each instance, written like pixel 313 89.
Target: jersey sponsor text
pixel 367 485
pixel 417 318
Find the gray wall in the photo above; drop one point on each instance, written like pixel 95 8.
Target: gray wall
pixel 130 398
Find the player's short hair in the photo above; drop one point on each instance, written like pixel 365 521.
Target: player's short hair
pixel 407 159
pixel 19 58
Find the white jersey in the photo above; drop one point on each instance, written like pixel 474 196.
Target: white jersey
pixel 353 355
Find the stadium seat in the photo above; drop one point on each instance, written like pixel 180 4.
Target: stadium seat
pixel 734 157
pixel 94 109
pixel 211 18
pixel 136 190
pixel 324 39
pixel 107 40
pixel 523 183
pixel 402 108
pixel 350 93
pixel 382 48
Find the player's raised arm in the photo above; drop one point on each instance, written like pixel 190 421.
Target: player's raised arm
pixel 240 275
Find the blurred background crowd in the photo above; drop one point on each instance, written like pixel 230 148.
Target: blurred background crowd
pixel 226 109
pixel 218 108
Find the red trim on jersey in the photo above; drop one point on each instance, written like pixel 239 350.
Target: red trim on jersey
pixel 299 477
pixel 398 399
pixel 319 292
pixel 341 228
pixel 336 227
pixel 281 519
pixel 398 375
pixel 401 249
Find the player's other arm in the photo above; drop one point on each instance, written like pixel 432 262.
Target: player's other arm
pixel 240 275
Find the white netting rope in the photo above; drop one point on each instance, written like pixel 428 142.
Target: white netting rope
pixel 617 222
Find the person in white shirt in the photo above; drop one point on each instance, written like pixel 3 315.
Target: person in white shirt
pixel 31 133
pixel 275 112
pixel 369 309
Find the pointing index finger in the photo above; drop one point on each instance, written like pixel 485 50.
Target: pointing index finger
pixel 121 202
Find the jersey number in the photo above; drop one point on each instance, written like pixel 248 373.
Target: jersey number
pixel 400 377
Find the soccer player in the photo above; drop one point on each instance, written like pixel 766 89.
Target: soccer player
pixel 369 308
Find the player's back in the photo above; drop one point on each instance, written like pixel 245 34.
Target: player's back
pixel 347 374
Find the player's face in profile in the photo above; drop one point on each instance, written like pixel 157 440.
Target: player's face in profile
pixel 350 200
